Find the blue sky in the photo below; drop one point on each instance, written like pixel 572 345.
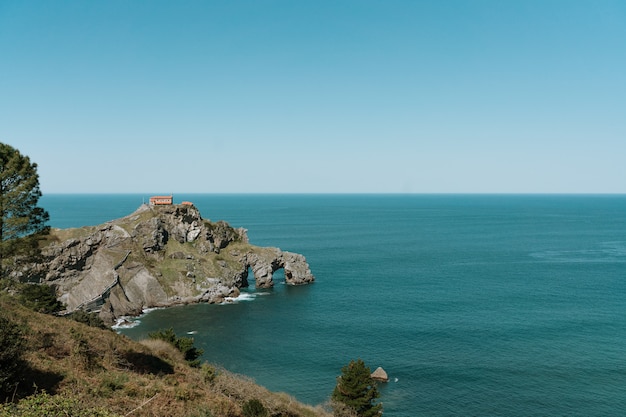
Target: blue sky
pixel 317 96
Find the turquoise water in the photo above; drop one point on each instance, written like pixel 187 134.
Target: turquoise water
pixel 474 305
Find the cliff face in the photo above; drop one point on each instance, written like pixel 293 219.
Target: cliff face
pixel 157 256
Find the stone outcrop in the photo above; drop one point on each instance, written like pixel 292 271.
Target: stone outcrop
pixel 265 262
pixel 380 375
pixel 157 256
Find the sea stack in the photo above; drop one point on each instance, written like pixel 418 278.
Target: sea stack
pixel 380 375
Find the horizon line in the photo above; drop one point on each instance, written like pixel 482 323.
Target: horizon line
pixel 494 193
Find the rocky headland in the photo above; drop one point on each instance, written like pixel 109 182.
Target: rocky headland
pixel 158 256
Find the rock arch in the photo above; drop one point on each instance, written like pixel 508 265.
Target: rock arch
pixel 264 263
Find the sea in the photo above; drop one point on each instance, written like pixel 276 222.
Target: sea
pixel 474 305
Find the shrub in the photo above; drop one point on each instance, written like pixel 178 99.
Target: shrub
pixel 254 408
pixel 90 319
pixel 183 344
pixel 41 298
pixel 83 352
pixel 209 372
pixel 45 405
pixel 111 383
pixel 11 347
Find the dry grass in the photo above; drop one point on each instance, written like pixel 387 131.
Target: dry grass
pixel 164 350
pixel 99 369
pixel 242 389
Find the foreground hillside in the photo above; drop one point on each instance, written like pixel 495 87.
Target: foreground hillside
pixel 72 369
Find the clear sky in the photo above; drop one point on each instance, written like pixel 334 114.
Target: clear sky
pixel 284 96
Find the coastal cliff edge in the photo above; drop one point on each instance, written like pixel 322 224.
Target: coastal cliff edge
pixel 158 256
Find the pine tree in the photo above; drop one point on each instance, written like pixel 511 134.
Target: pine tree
pixel 356 389
pixel 20 218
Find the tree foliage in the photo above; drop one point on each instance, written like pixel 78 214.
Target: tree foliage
pixel 183 344
pixel 20 218
pixel 88 318
pixel 356 389
pixel 41 298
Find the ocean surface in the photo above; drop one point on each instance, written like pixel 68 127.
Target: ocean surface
pixel 475 305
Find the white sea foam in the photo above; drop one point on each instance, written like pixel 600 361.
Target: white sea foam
pixel 126 323
pixel 244 296
pixel 148 310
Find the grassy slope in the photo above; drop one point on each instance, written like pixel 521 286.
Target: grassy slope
pixel 98 372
